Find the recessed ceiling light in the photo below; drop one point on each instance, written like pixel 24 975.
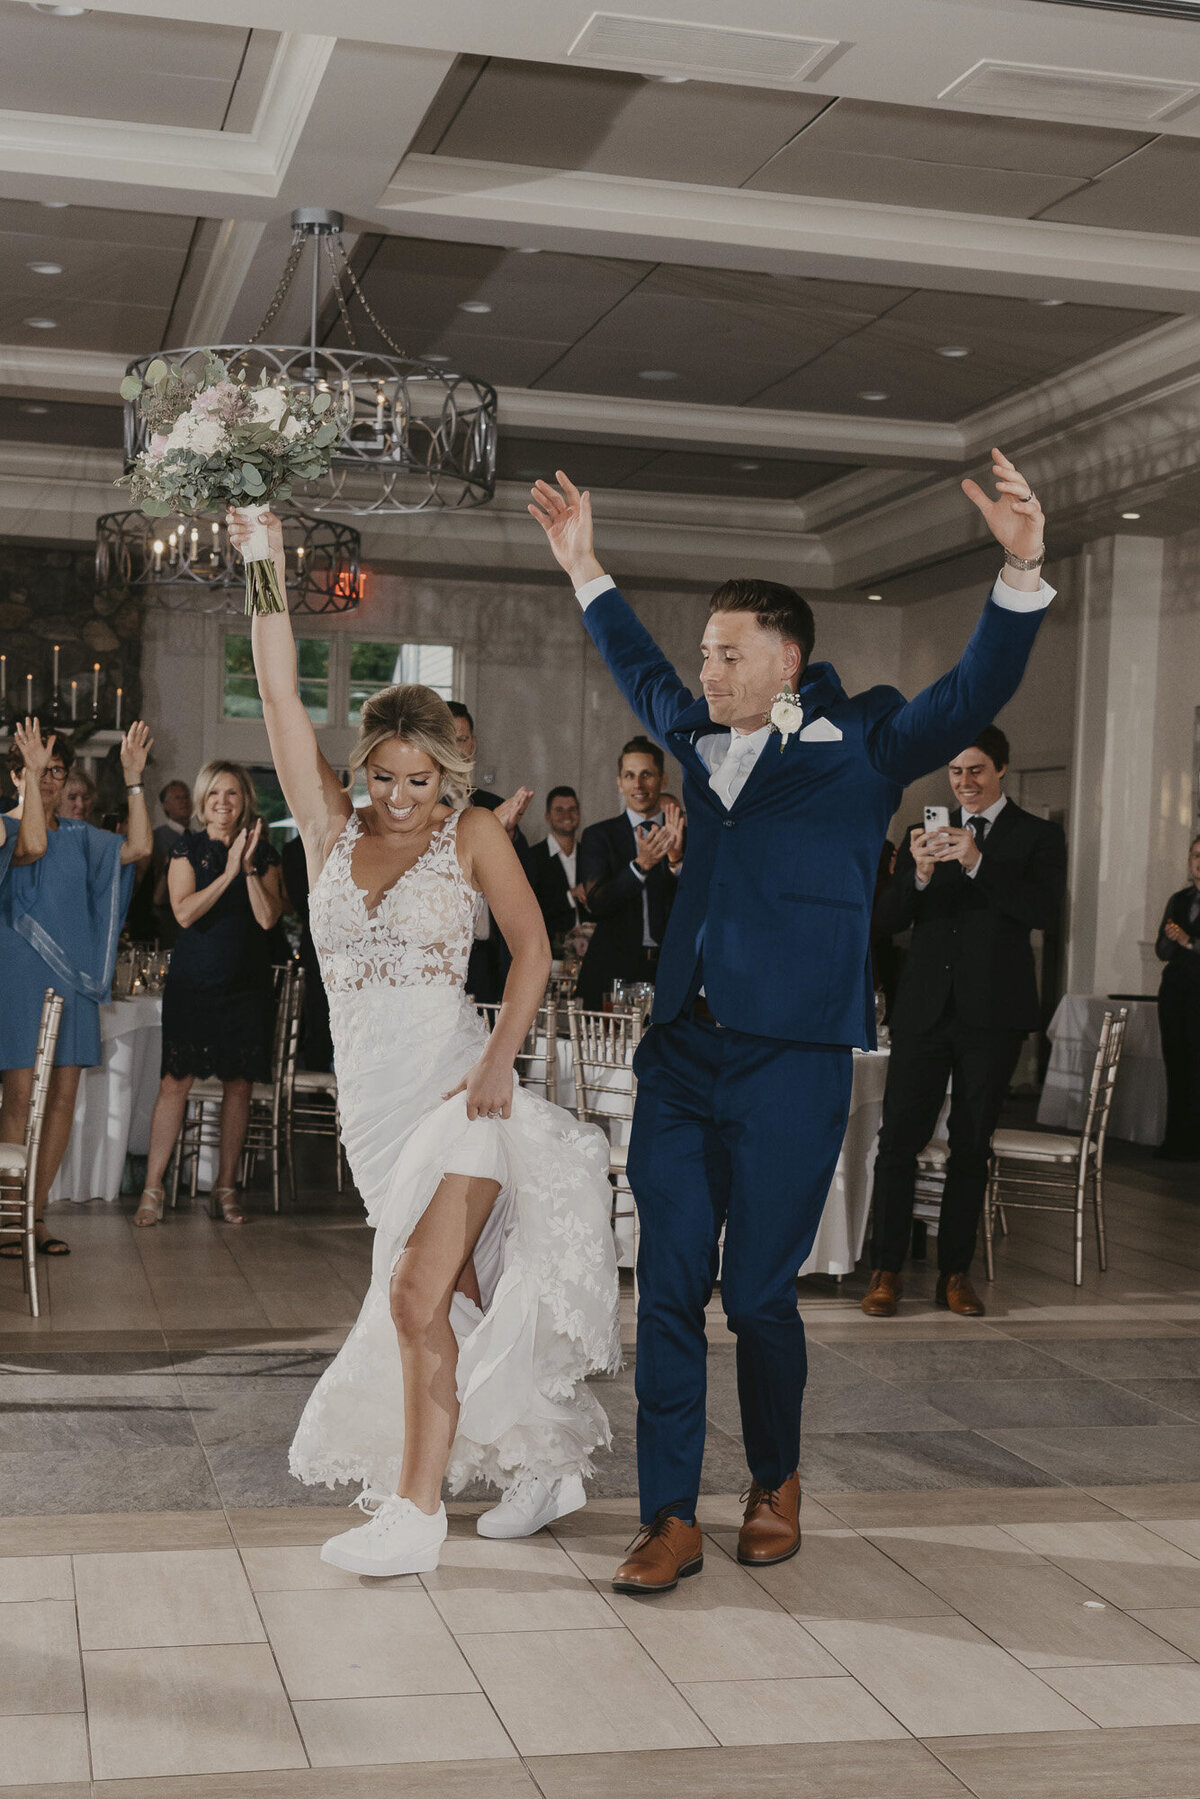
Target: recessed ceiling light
pixel 953 351
pixel 474 306
pixel 657 375
pixel 1131 515
pixel 59 12
pixel 54 205
pixel 1047 302
pixel 42 324
pixel 747 468
pixel 527 250
pixel 669 80
pixel 34 407
pixel 45 268
pixel 875 596
pixel 433 356
pixel 873 394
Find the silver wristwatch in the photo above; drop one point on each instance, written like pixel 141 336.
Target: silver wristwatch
pixel 136 788
pixel 1026 564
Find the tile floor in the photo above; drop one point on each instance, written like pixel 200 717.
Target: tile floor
pixel 998 1593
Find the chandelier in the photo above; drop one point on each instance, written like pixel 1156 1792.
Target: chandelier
pixel 411 434
pixel 171 558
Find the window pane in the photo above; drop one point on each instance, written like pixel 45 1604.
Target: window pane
pixel 376 665
pixel 241 688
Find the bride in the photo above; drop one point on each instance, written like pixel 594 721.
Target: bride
pixel 494 1288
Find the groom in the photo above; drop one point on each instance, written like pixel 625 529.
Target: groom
pixel 764 986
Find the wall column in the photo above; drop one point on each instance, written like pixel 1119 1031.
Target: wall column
pixel 1115 881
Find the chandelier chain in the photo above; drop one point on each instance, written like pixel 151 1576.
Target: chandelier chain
pixel 284 283
pixel 341 298
pixel 390 341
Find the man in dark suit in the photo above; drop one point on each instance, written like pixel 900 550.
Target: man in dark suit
pixel 629 867
pixel 490 961
pixel 968 998
pixel 553 866
pixel 764 986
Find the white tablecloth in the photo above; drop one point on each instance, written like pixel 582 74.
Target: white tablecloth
pixel 115 1101
pixel 1139 1110
pixel 843 1226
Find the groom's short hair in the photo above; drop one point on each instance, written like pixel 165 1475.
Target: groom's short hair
pixel 776 607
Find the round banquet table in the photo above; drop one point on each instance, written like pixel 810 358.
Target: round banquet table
pixel 1139 1108
pixel 115 1101
pixel 843 1227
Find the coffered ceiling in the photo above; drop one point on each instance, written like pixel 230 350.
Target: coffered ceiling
pixel 822 281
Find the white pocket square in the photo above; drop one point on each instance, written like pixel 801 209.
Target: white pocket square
pixel 820 731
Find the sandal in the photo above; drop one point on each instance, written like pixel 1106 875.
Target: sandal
pixel 52 1246
pixel 150 1206
pixel 227 1199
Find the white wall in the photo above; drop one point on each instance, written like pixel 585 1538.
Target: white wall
pixel 1177 698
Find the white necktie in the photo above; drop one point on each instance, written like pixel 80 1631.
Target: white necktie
pixel 734 772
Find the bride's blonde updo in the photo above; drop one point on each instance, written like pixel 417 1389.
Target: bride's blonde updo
pixel 420 718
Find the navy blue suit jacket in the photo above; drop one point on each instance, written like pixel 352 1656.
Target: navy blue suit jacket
pixel 773 910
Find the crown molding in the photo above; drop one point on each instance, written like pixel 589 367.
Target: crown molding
pixel 176 156
pixel 229 264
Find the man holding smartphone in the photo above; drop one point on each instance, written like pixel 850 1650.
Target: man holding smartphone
pixel 972 886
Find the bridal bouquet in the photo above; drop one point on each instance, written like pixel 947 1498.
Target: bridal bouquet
pixel 217 442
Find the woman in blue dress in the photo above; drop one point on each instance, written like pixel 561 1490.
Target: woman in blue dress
pixel 60 916
pixel 225 890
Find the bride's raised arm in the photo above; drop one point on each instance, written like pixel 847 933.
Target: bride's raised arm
pixel 318 802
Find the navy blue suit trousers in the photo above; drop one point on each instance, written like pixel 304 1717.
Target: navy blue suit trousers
pixel 737 1132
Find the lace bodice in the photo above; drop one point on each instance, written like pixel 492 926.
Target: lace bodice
pixel 420 933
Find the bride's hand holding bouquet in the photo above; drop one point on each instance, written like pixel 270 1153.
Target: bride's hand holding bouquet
pixel 219 443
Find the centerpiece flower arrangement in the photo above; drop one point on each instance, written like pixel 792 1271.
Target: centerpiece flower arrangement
pixel 219 443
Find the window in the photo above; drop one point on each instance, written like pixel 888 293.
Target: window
pixel 241 688
pixel 376 665
pixel 272 807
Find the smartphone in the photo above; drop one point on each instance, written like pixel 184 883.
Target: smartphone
pixel 937 818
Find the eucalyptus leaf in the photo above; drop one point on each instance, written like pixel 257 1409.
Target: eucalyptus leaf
pixel 325 434
pixel 322 403
pixel 156 508
pixel 157 373
pixel 131 387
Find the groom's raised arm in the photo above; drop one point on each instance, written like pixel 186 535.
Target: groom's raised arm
pixel 645 677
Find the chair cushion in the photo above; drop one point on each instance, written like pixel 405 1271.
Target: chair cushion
pixel 12 1158
pixel 312 1080
pixel 932 1159
pixel 1035 1146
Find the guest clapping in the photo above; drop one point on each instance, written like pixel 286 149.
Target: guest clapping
pixel 227 896
pixel 552 866
pixel 629 867
pixel 64 887
pixel 1178 946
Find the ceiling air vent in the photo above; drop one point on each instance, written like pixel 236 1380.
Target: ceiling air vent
pixel 1091 94
pixel 707 52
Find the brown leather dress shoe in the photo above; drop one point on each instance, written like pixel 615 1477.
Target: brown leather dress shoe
pixel 663 1553
pixel 771 1527
pixel 956 1292
pixel 883 1295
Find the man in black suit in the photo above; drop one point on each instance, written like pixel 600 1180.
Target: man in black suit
pixel 490 961
pixel 552 866
pixel 629 866
pixel 967 999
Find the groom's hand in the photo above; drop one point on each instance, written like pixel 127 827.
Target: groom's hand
pixel 565 515
pixel 1014 518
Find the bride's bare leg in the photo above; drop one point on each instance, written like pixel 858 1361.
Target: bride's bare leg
pixel 422 1286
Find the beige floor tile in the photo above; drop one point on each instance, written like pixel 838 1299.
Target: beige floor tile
pixel 1091 1764
pixel 1180 1500
pixel 942 1677
pixel 1183 1532
pixel 206 1709
pixel 288 1527
pixel 376 1642
pixel 562 1692
pixel 39 1658
pixel 55 1789
pixel 1179 1625
pixel 976 1505
pixel 838 1574
pixel 1123 1562
pixel 419 1780
pixel 299 1570
pixel 36 1577
pixel 364 1732
pixel 1123 1698
pixel 168 1597
pixel 599 1551
pixel 102 1533
pixel 531 1584
pixel 742 1712
pixel 1027 1605
pixel 35 1750
pixel 896 1770
pixel 721 1625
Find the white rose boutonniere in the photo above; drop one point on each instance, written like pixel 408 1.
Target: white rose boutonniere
pixel 786 716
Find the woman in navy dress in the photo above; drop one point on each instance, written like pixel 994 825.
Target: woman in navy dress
pixel 60 916
pixel 225 891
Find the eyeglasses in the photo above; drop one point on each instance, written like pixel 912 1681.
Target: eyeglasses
pixel 55 772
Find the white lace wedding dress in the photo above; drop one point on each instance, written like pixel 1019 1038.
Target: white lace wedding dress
pixel 404 1034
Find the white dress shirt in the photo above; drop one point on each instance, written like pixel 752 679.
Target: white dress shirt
pixel 990 814
pixel 637 819
pixel 569 864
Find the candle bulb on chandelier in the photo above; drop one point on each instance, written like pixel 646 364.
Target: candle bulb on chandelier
pixel 158 554
pixel 216 543
pixel 173 545
pixel 95 688
pixel 54 675
pixel 120 691
pixel 29 695
pixel 74 699
pixel 3 680
pixel 195 540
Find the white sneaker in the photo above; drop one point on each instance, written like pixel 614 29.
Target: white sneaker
pixel 399 1538
pixel 530 1504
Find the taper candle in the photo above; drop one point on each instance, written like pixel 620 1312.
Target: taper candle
pixel 54 676
pixel 120 691
pixel 95 688
pixel 74 699
pixel 3 680
pixel 29 694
